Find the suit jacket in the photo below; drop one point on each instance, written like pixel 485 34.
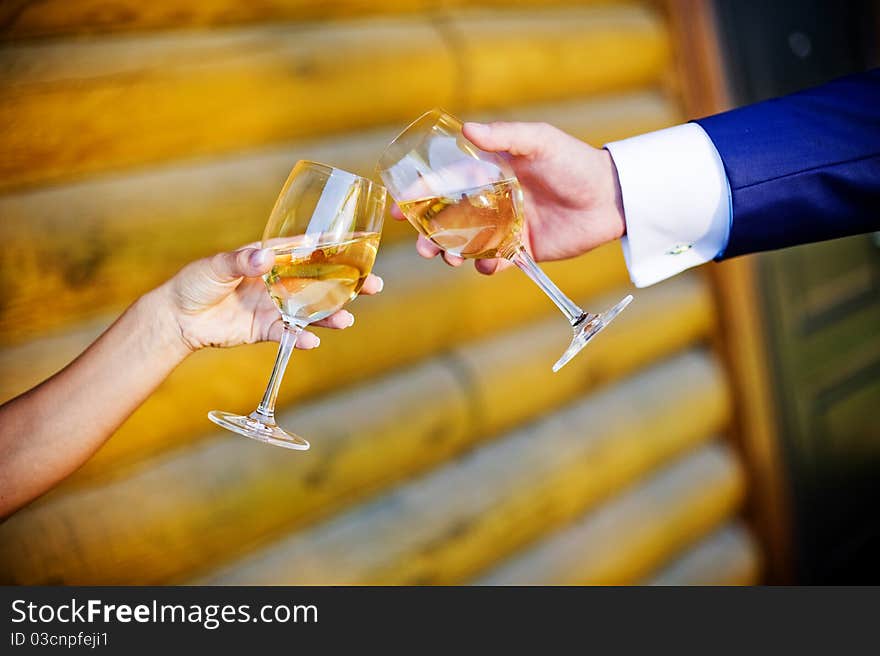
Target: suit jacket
pixel 804 167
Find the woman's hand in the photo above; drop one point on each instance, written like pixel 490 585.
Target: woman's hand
pixel 50 430
pixel 222 301
pixel 571 191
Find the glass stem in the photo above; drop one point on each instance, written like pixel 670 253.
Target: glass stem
pixel 265 412
pixel 569 308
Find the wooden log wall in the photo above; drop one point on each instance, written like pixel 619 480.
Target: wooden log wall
pixel 728 556
pixel 139 136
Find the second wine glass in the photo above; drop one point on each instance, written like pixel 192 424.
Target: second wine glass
pixel 324 230
pixel 469 203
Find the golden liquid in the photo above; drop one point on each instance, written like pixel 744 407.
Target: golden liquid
pixel 312 281
pixel 481 222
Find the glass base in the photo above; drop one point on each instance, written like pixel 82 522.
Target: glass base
pixel 254 427
pixel 587 329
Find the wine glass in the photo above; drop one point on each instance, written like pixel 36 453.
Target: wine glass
pixel 469 203
pixel 324 230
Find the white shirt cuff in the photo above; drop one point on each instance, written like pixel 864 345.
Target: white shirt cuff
pixel 676 199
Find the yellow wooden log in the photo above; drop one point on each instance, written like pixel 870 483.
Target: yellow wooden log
pixel 508 398
pixel 23 18
pixel 464 517
pixel 599 119
pixel 425 308
pixel 72 108
pixel 28 19
pixel 206 502
pixel 97 245
pixel 729 556
pixel 628 537
pixel 555 56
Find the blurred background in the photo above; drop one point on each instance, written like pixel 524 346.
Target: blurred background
pixel 723 431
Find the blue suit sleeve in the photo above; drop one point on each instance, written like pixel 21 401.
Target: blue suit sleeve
pixel 804 167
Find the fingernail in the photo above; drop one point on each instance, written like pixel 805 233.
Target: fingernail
pixel 477 129
pixel 350 319
pixel 381 284
pixel 259 258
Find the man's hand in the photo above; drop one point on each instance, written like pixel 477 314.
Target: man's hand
pixel 222 301
pixel 571 191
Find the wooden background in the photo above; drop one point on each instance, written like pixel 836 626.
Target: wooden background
pixel 139 136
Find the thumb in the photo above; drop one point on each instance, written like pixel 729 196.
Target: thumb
pixel 247 262
pixel 519 139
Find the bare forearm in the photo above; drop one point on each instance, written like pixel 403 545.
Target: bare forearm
pixel 48 432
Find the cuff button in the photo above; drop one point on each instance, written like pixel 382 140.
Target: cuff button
pixel 678 249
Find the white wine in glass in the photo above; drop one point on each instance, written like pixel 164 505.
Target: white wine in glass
pixel 324 231
pixel 469 203
pixel 310 282
pixel 475 223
